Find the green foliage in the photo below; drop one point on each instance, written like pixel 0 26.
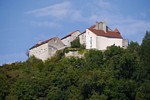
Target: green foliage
pixel 113 51
pixel 54 93
pixel 3 86
pixel 82 46
pixel 94 58
pixel 71 49
pixel 134 47
pixel 145 48
pixel 75 43
pixel 143 92
pixel 22 90
pixel 96 96
pixel 145 54
pixel 115 74
pixel 59 54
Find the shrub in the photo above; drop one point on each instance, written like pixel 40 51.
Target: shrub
pixel 75 43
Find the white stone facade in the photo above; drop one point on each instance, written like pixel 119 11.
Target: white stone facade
pixel 102 36
pixel 104 42
pixel 41 52
pixel 82 38
pixel 100 42
pixel 90 40
pixel 98 36
pixel 125 43
pixel 46 49
pixel 70 37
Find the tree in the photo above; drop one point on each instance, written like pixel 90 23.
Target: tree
pixel 145 55
pixel 113 51
pixel 94 58
pixel 21 90
pixel 54 93
pixel 133 47
pixel 96 96
pixel 75 43
pixel 115 74
pixel 3 86
pixel 143 92
pixel 122 89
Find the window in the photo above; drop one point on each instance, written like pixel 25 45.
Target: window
pixel 90 42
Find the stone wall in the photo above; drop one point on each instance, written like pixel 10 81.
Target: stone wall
pixel 74 54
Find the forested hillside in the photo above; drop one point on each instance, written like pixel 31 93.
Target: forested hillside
pixel 115 74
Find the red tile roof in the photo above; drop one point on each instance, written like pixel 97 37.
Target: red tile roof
pixel 69 34
pixel 36 45
pixel 110 34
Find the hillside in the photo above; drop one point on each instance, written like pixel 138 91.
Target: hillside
pixel 115 74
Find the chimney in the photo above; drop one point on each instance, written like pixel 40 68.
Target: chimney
pixel 104 26
pixel 97 26
pixel 39 42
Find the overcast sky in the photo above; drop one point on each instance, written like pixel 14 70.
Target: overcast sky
pixel 24 22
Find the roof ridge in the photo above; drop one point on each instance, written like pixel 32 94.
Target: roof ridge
pixel 43 42
pixel 69 34
pixel 116 30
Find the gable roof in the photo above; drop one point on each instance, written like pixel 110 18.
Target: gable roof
pixel 36 45
pixel 82 33
pixel 69 34
pixel 110 34
pixel 116 30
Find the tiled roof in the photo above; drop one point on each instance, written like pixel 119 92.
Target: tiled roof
pixel 110 34
pixel 36 45
pixel 69 34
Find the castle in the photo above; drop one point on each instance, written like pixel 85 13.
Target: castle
pixel 98 36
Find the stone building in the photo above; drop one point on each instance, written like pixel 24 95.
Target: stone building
pixel 70 37
pixel 100 36
pixel 46 49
